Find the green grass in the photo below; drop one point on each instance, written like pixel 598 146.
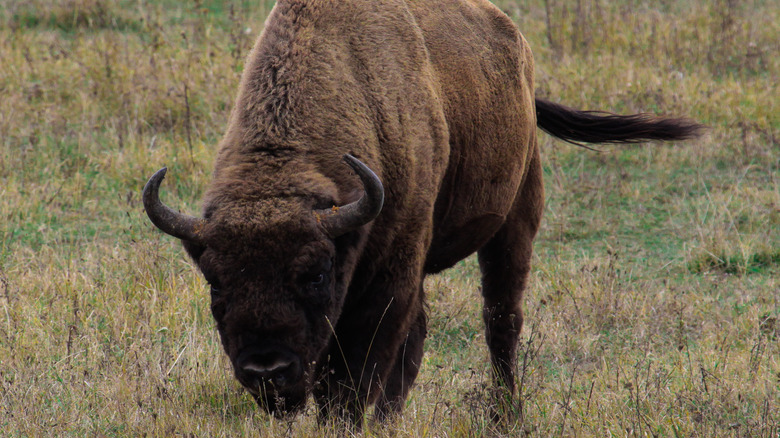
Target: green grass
pixel 653 302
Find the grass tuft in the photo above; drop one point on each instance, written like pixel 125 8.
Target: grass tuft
pixel 738 264
pixel 71 15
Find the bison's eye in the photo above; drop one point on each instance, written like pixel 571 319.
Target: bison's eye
pixel 316 282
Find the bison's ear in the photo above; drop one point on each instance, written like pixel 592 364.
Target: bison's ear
pixel 338 221
pixel 351 196
pixel 327 203
pixel 193 249
pixel 323 203
pixel 165 218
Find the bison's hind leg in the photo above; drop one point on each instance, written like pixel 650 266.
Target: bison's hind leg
pixel 505 262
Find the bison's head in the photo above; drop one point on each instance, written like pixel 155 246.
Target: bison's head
pixel 277 282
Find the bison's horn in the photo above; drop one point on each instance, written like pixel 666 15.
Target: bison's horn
pixel 338 221
pixel 169 221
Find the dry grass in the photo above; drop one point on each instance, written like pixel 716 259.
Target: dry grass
pixel 653 304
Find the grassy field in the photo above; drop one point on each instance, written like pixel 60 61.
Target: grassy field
pixel 654 300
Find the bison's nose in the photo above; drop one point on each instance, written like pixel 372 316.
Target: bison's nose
pixel 274 365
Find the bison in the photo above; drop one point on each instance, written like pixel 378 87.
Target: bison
pixel 316 267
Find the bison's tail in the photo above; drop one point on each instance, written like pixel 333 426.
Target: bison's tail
pixel 574 125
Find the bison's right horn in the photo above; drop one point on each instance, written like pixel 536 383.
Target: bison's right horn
pixel 169 221
pixel 337 221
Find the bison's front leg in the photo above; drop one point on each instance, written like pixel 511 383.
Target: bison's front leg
pixel 404 372
pixel 364 352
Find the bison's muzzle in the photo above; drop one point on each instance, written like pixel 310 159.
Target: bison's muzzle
pixel 277 366
pixel 274 375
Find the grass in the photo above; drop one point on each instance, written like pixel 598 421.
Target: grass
pixel 653 302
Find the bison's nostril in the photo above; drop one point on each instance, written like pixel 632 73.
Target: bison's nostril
pixel 279 368
pixel 267 369
pixel 277 372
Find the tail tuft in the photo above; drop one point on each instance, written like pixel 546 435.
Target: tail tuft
pixel 573 125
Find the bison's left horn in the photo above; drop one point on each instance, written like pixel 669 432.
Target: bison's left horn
pixel 338 221
pixel 166 219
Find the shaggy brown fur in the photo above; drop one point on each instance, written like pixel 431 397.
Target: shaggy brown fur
pixel 437 98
